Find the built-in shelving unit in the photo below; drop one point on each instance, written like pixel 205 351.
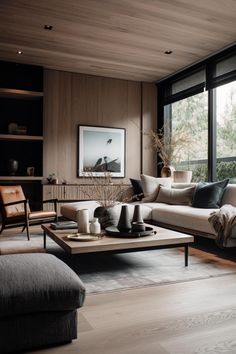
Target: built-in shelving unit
pixel 22 94
pixel 20 137
pixel 21 178
pixel 21 126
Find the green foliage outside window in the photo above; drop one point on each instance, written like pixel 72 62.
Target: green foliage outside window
pixel 224 169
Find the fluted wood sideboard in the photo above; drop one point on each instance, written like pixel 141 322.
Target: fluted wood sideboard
pixel 68 192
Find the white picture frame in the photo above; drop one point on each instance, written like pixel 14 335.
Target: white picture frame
pixel 100 150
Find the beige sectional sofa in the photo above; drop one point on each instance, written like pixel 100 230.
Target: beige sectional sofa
pixel 189 219
pixel 178 217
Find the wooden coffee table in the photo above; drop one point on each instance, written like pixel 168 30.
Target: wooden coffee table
pixel 164 238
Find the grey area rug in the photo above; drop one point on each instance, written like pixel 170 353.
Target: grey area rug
pixel 113 272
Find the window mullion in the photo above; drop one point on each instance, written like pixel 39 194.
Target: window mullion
pixel 211 135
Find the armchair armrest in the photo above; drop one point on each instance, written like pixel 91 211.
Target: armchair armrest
pixel 54 201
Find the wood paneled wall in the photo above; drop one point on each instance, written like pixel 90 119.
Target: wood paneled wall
pixel 71 99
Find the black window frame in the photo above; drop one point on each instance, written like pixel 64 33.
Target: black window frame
pixel 164 97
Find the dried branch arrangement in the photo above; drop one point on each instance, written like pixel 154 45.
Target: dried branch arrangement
pixel 103 190
pixel 169 145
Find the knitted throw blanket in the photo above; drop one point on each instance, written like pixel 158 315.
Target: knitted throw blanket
pixel 223 221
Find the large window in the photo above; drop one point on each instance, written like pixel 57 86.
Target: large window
pixel 201 101
pixel 191 115
pixel 226 131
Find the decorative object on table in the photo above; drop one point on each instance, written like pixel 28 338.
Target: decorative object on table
pixel 137 226
pixel 113 231
pixel 83 237
pixel 169 146
pixel 182 176
pixel 52 179
pixel 101 149
pixel 12 166
pixel 105 216
pixel 124 224
pixel 137 221
pixel 95 227
pixel 107 194
pixel 64 225
pixel 83 220
pixel 12 127
pixel 137 216
pixel 30 171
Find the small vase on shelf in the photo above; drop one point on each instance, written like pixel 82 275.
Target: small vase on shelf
pixel 12 167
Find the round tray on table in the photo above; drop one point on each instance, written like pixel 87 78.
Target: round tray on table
pixel 113 231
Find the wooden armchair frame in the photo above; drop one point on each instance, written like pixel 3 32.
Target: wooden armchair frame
pixel 26 220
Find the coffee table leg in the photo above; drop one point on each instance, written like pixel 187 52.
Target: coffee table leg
pixel 186 255
pixel 44 239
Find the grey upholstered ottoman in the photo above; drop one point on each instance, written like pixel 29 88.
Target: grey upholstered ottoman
pixel 39 295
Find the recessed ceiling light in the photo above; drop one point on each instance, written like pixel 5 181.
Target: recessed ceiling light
pixel 19 52
pixel 48 27
pixel 168 52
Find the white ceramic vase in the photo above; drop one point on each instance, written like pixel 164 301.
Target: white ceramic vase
pixel 95 227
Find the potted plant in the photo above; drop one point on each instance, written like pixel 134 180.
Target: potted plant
pixel 169 146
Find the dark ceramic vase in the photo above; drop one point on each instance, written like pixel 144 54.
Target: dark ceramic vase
pixel 12 167
pixel 124 224
pixel 137 217
pixel 104 216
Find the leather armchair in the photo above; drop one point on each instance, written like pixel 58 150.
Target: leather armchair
pixel 15 209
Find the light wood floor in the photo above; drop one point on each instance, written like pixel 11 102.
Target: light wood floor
pixel 197 317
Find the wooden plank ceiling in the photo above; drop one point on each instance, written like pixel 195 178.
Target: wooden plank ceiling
pixel 115 38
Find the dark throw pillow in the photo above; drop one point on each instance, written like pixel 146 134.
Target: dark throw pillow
pixel 137 188
pixel 209 195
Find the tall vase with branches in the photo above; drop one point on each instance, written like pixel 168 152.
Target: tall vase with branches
pixel 169 147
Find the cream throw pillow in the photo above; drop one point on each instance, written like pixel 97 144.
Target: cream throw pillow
pixel 151 185
pixel 175 196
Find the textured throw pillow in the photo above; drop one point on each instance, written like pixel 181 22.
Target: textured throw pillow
pixel 209 195
pixel 175 196
pixel 151 185
pixel 137 188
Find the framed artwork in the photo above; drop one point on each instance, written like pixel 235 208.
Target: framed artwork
pixel 101 149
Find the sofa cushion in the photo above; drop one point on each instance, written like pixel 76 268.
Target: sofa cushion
pixel 229 196
pixel 209 195
pixel 70 210
pixel 151 186
pixel 36 283
pixel 175 196
pixel 137 188
pixel 183 216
